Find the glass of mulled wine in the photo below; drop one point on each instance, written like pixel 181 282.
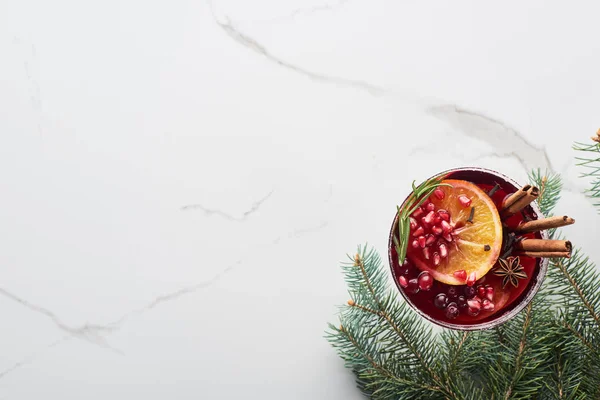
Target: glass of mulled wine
pixel 461 244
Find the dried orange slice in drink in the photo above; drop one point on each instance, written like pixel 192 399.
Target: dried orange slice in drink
pixel 456 235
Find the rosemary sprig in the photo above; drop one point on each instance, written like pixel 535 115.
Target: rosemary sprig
pixel 417 197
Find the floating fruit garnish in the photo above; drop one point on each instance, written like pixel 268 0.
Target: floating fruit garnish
pixel 452 311
pixel 425 281
pixel 458 233
pixel 441 300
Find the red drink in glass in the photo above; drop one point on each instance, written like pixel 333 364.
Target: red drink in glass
pixel 448 305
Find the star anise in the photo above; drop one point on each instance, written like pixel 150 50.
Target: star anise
pixel 511 270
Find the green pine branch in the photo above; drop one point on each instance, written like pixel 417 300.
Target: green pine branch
pixel 590 162
pixel 550 186
pixel 551 350
pixel 571 289
pixel 383 340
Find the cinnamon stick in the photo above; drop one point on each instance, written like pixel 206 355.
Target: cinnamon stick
pixel 545 254
pixel 543 224
pixel 510 200
pixel 519 200
pixel 544 246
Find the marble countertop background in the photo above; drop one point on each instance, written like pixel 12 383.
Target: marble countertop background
pixel 181 179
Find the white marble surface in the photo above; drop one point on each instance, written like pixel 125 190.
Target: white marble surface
pixel 180 178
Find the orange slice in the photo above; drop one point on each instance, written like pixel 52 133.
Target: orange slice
pixel 456 235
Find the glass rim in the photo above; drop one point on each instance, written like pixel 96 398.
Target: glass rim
pixel 541 266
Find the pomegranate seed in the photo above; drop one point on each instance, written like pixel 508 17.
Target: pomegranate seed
pixel 440 301
pixel 402 281
pixel 469 291
pixel 430 207
pixel 421 240
pixel 426 253
pixel 436 230
pixel 415 243
pixel 460 274
pixel 445 215
pixel 473 311
pixel 475 302
pixel 419 231
pixel 412 286
pixel 474 306
pixel 436 259
pixel 430 240
pixel 428 219
pixel 439 193
pixel 489 293
pixel 413 223
pixel 437 219
pixel 446 227
pixel 487 305
pixel 481 291
pixel 471 279
pixel 418 212
pixel 443 250
pixel 451 311
pixel 424 222
pixel 464 200
pixel 425 281
pixel 448 237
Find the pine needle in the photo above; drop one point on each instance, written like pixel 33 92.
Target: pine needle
pixel 590 162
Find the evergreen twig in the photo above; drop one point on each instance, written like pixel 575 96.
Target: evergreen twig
pixel 570 289
pixel 590 161
pixel 551 350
